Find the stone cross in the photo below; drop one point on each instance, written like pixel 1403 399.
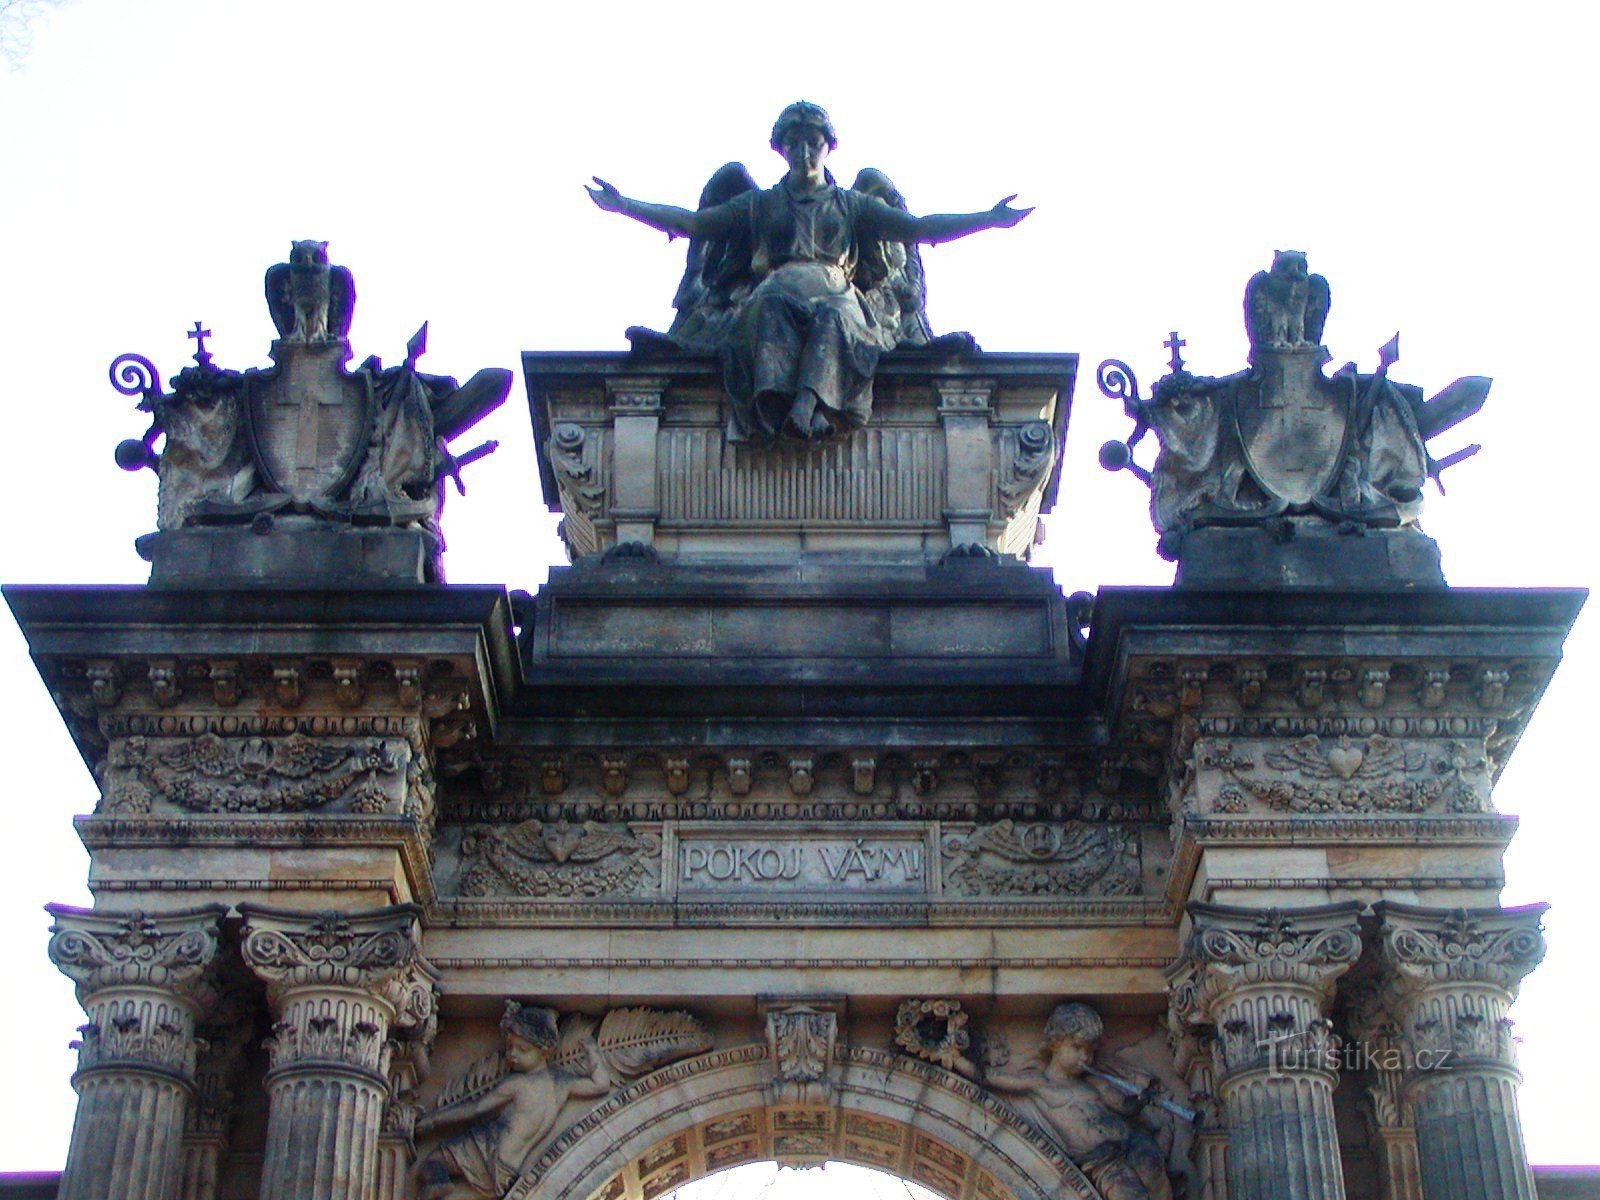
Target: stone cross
pixel 200 335
pixel 1175 344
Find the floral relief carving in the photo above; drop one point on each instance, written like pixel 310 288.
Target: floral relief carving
pixel 214 774
pixel 1073 858
pixel 1375 774
pixel 537 858
pixel 934 1031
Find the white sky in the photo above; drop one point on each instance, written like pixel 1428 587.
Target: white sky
pixel 1435 161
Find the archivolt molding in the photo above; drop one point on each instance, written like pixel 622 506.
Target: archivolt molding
pixel 890 1112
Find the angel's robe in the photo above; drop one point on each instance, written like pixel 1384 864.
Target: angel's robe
pixel 804 334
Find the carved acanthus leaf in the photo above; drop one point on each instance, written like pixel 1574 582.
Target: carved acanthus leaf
pixel 364 951
pixel 1492 946
pixel 171 951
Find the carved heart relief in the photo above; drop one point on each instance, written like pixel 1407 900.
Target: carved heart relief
pixel 1346 760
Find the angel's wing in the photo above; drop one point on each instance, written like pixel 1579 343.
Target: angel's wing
pixel 716 267
pixel 1318 299
pixel 341 301
pixel 890 274
pixel 1257 306
pixel 527 839
pixel 595 842
pixel 279 303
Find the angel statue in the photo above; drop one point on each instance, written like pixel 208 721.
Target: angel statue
pixel 800 287
pixel 511 1100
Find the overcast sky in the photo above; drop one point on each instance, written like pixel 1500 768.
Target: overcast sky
pixel 1434 161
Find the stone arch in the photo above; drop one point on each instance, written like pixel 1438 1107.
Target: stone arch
pixel 884 1111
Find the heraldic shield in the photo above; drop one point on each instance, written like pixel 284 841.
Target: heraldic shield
pixel 1294 422
pixel 309 421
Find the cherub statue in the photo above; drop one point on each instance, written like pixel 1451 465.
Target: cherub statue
pixel 512 1100
pixel 1104 1124
pixel 510 1119
pixel 802 286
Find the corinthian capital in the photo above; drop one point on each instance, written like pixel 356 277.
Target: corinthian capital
pixel 367 952
pixel 1304 949
pixel 1264 978
pixel 1426 947
pixel 168 951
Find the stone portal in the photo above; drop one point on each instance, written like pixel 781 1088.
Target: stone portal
pixel 799 818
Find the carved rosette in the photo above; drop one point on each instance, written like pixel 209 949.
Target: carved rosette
pixel 1450 977
pixel 341 986
pixel 1264 981
pixel 142 980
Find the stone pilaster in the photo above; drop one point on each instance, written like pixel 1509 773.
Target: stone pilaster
pixel 1390 1121
pixel 965 412
pixel 340 987
pixel 1264 981
pixel 1208 1153
pixel 1451 976
pixel 142 981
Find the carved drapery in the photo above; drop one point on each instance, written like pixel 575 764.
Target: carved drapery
pixel 341 987
pixel 1264 980
pixel 142 982
pixel 1450 977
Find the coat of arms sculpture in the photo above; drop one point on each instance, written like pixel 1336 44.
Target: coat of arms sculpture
pixel 304 447
pixel 1282 445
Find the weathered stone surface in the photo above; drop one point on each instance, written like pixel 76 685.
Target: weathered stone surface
pixel 963 453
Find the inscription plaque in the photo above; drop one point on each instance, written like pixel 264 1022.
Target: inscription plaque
pixel 833 860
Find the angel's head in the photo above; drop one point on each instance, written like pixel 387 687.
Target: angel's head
pixel 803 119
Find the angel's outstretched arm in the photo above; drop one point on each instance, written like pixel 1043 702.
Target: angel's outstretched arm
pixel 1018 1082
pixel 890 222
pixel 464 1111
pixel 598 1081
pixel 677 222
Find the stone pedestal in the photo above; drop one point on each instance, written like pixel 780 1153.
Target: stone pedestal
pixel 1264 981
pixel 1452 976
pixel 337 986
pixel 1308 554
pixel 961 453
pixel 289 552
pixel 141 982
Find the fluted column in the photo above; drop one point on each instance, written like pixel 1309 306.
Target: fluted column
pixel 1451 976
pixel 338 985
pixel 1264 981
pixel 142 980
